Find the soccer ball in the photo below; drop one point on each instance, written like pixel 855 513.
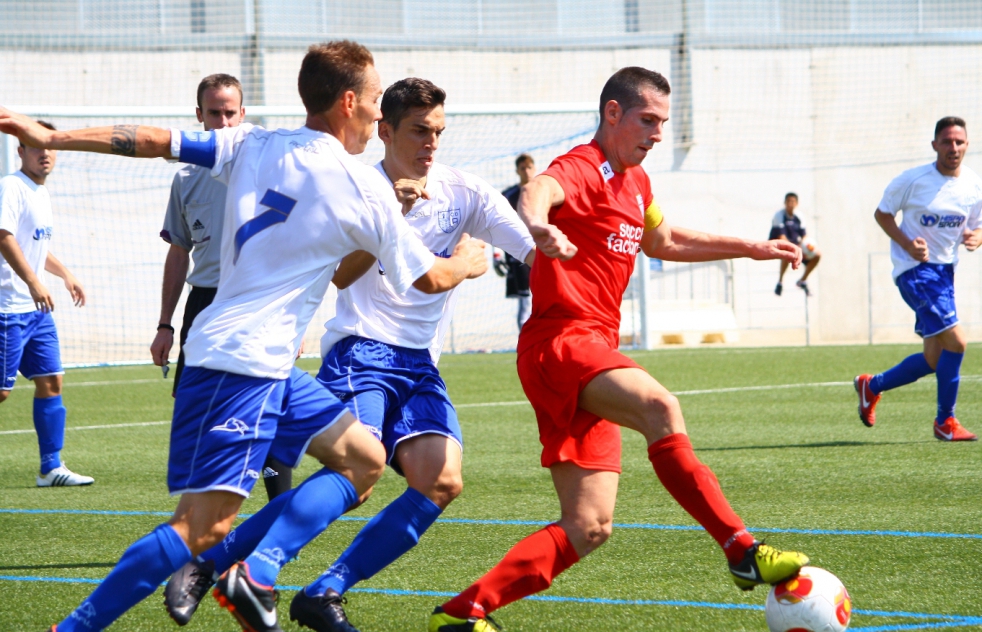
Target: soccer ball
pixel 814 601
pixel 808 248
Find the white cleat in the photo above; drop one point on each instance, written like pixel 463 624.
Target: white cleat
pixel 61 476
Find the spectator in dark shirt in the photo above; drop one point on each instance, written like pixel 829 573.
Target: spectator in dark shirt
pixel 787 226
pixel 516 273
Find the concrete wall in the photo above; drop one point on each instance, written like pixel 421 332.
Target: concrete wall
pixel 832 124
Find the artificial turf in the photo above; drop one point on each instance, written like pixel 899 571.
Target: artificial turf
pixel 792 460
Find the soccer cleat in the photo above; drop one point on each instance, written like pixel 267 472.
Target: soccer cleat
pixel 323 613
pixel 61 476
pixel 440 621
pixel 867 399
pixel 763 564
pixel 951 430
pixel 778 289
pixel 253 605
pixel 804 286
pixel 186 587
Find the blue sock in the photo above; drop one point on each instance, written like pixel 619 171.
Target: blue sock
pixel 148 562
pixel 910 369
pixel 949 366
pixel 242 540
pixel 49 422
pixel 392 532
pixel 315 504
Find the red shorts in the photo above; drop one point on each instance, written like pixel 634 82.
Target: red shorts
pixel 553 371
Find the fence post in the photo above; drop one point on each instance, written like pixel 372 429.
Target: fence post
pixel 8 154
pixel 644 288
pixel 869 293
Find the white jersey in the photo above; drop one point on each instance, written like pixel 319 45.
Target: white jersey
pixel 25 212
pixel 373 307
pixel 297 204
pixel 936 207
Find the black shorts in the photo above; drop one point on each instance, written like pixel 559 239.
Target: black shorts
pixel 198 299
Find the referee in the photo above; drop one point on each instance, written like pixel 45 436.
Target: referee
pixel 193 228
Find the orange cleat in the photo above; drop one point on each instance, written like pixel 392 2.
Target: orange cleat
pixel 951 430
pixel 867 399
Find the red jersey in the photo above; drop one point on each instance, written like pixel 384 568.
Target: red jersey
pixel 603 216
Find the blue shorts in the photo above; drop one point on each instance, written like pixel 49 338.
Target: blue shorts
pixel 396 392
pixel 224 425
pixel 28 343
pixel 929 289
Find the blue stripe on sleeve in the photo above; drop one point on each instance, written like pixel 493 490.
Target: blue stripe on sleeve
pixel 198 148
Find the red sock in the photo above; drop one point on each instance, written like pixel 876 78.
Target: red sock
pixel 694 486
pixel 529 567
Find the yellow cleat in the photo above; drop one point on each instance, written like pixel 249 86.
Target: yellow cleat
pixel 440 621
pixel 763 564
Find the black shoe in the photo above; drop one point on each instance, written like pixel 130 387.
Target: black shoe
pixel 253 605
pixel 804 286
pixel 186 587
pixel 778 289
pixel 323 613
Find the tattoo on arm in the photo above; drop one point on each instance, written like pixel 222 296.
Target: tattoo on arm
pixel 124 140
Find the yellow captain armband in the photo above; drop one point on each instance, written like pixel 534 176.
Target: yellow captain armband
pixel 652 216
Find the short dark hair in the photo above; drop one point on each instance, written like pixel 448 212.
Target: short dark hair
pixel 790 194
pixel 625 87
pixel 218 80
pixel 329 70
pixel 43 124
pixel 407 94
pixel 949 121
pixel 522 158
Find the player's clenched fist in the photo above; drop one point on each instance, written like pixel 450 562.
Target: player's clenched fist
pixel 552 242
pixel 918 249
pixel 408 191
pixel 471 251
pixel 776 249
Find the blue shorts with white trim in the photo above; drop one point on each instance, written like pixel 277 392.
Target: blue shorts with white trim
pixel 224 426
pixel 29 344
pixel 929 290
pixel 395 391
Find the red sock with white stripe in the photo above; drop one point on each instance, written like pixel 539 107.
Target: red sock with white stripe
pixel 529 567
pixel 695 487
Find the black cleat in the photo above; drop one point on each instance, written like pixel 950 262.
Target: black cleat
pixel 323 613
pixel 186 588
pixel 804 286
pixel 778 289
pixel 253 605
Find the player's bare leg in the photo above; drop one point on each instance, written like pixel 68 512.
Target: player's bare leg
pixel 631 398
pixel 810 265
pixel 431 464
pixel 586 500
pixel 204 518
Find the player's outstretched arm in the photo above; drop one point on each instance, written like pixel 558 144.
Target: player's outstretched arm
pixel 57 268
pixel 135 141
pixel 468 261
pixel 916 248
pixel 681 244
pixel 352 267
pixel 539 196
pixel 14 257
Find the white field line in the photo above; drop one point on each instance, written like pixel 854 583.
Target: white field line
pixel 101 427
pixel 707 391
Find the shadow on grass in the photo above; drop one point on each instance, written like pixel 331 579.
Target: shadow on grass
pixel 39 567
pixel 823 444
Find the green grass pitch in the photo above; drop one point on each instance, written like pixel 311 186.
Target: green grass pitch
pixel 793 460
